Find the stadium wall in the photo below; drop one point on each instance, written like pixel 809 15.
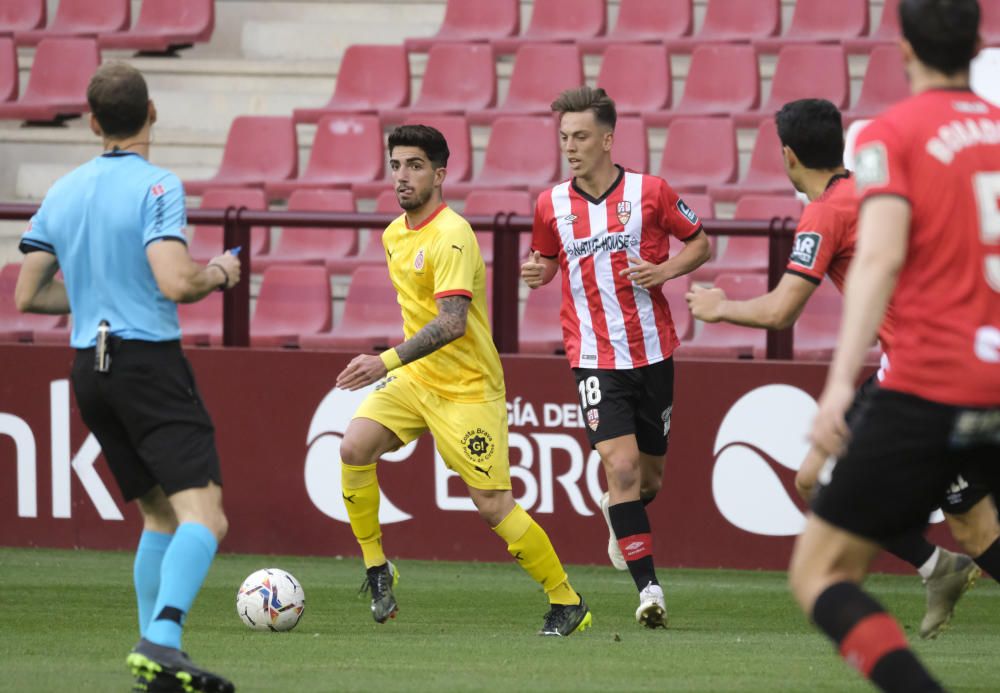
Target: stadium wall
pixel 728 500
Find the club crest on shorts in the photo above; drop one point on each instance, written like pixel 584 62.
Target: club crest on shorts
pixel 418 261
pixel 593 419
pixel 624 211
pixel 478 445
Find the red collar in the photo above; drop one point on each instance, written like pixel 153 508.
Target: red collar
pixel 426 221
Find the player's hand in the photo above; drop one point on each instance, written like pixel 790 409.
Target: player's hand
pixel 646 275
pixel 808 474
pixel 829 430
pixel 230 264
pixel 533 270
pixel 705 304
pixel 363 370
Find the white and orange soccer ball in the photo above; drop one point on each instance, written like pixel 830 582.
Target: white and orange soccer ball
pixel 270 599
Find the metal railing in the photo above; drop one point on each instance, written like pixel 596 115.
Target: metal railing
pixel 237 221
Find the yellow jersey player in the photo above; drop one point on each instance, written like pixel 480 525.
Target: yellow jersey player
pixel 445 378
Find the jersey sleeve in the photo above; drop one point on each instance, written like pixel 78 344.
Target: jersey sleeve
pixel 164 215
pixel 456 256
pixel 880 162
pixel 37 236
pixel 815 244
pixel 544 237
pixel 676 218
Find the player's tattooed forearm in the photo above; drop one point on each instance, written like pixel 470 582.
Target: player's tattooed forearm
pixel 448 326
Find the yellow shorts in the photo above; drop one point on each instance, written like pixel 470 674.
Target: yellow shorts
pixel 471 436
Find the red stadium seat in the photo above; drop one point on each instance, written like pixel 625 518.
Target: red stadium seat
pixel 644 21
pixel 637 77
pixel 540 72
pixel 884 83
pixel 313 246
pixel 702 204
pixel 16 326
pixel 887 32
pixel 56 336
pixel 559 20
pixel 490 203
pixel 472 20
pixel 9 82
pixel 522 152
pixel 164 26
pixel 81 18
pixel 674 291
pixel 459 77
pixel 540 330
pixel 989 23
pixel 722 340
pixel 22 15
pixel 201 321
pixel 821 21
pixel 372 253
pixel 766 174
pixel 293 301
pixel 370 79
pixel 57 85
pixel 699 152
pixel 346 149
pixel 259 150
pixel 207 240
pixel 804 71
pixel 722 80
pixel 818 326
pixel 745 254
pixel 631 144
pixel 371 320
pixel 734 20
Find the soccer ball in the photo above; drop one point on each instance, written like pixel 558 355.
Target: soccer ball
pixel 270 599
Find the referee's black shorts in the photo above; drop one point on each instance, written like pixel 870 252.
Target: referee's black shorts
pixel 904 453
pixel 148 417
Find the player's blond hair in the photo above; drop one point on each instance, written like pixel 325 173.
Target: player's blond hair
pixel 583 99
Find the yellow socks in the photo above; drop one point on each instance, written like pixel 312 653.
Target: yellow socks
pixel 361 497
pixel 528 543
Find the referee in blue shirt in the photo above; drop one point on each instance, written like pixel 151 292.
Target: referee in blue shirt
pixel 115 226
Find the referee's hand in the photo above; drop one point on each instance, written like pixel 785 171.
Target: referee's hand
pixel 533 271
pixel 230 264
pixel 362 371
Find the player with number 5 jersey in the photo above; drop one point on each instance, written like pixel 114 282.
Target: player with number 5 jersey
pixel 608 230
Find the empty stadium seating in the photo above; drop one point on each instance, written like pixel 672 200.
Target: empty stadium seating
pixel 745 254
pixel 370 78
pixel 821 21
pixel 207 241
pixel 201 321
pixel 490 203
pixel 540 72
pixel 259 150
pixel 637 77
pixel 459 77
pixel 540 330
pixel 57 85
pixel 886 33
pixel 766 172
pixel 371 320
pixel 522 153
pixel 817 327
pixel 722 340
pixel 473 20
pixel 884 83
pixel 16 326
pixel 674 291
pixel 722 80
pixel 699 152
pixel 313 246
pixel 631 144
pixel 80 18
pixel 644 21
pixel 22 15
pixel 734 20
pixel 9 82
pixel 346 149
pixel 559 20
pixel 164 26
pixel 293 301
pixel 372 253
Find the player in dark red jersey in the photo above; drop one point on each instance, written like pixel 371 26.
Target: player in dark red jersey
pixel 928 173
pixel 812 137
pixel 608 230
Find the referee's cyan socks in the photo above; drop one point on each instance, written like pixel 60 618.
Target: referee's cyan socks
pixel 146 572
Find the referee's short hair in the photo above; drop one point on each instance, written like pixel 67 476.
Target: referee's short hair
pixel 814 130
pixel 583 99
pixel 119 99
pixel 425 137
pixel 943 33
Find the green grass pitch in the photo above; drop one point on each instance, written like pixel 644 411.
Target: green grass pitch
pixel 68 620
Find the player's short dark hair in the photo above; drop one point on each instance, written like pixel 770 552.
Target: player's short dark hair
pixel 119 99
pixel 814 130
pixel 583 99
pixel 429 139
pixel 943 33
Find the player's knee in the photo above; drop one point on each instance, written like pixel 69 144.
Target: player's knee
pixel 622 471
pixel 355 452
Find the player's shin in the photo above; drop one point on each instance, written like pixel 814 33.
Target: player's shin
pixel 146 573
pixel 870 640
pixel 361 498
pixel 631 525
pixel 528 543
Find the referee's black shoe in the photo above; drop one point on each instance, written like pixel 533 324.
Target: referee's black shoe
pixel 161 667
